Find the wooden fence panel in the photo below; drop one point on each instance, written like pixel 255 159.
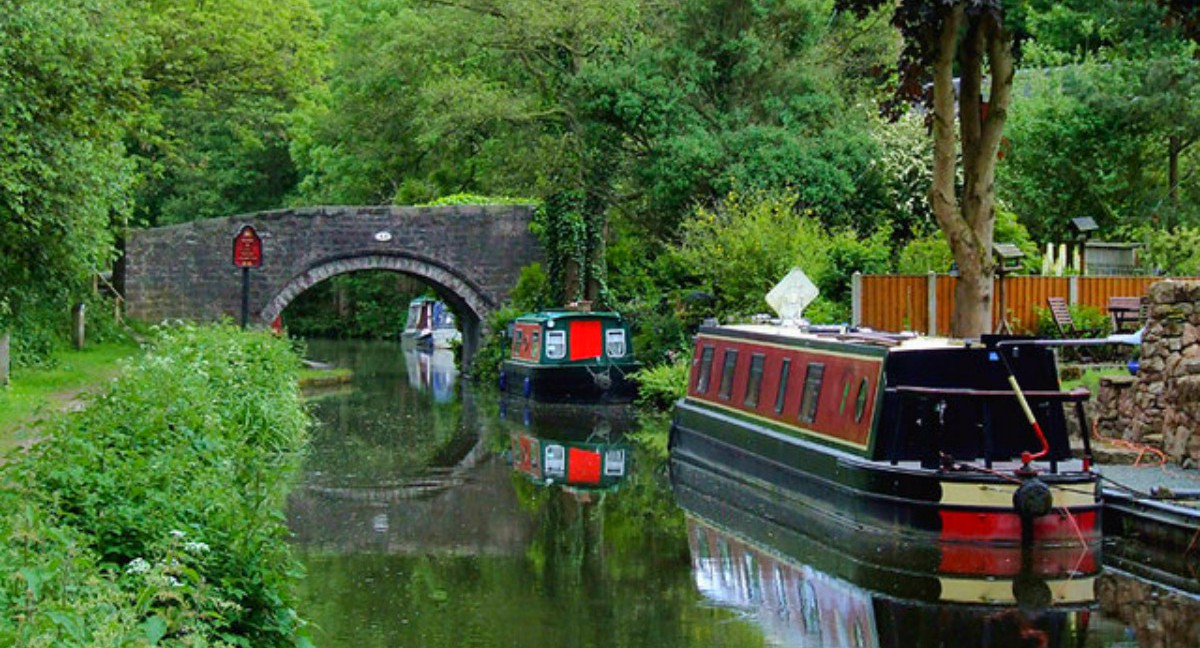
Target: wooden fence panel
pixel 895 302
pixel 901 302
pixel 1023 296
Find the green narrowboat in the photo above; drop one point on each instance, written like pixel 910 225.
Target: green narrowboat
pixel 570 356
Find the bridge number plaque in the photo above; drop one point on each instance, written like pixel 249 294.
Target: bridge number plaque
pixel 247 248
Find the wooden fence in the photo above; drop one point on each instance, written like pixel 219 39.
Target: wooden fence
pixel 924 302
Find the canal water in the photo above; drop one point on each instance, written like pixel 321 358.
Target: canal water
pixel 433 515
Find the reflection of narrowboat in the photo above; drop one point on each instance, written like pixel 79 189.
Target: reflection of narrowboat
pixel 579 465
pixel 430 325
pixel 432 370
pixel 569 356
pixel 927 438
pixel 805 591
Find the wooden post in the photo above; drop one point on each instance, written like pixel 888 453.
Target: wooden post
pixel 1073 290
pixel 931 301
pixel 4 358
pixel 78 325
pixel 856 299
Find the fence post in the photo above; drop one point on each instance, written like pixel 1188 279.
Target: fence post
pixel 931 301
pixel 1073 289
pixel 856 299
pixel 78 324
pixel 4 358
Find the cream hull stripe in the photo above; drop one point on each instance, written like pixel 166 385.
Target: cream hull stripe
pixel 1062 591
pixel 1001 495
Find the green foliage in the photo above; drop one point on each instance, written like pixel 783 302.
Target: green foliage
pixel 661 385
pixel 156 514
pixel 740 250
pixel 221 80
pixel 476 199
pixel 1173 252
pixel 67 80
pixel 924 254
pixel 494 350
pixel 1085 317
pixel 533 291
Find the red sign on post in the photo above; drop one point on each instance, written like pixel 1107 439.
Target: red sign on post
pixel 247 249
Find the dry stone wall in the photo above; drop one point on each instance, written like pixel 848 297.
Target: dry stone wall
pixel 1161 406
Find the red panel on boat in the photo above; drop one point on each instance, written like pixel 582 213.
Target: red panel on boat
pixel 969 558
pixel 586 339
pixel 992 526
pixel 583 466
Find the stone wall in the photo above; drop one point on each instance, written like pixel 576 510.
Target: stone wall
pixel 1159 617
pixel 1165 398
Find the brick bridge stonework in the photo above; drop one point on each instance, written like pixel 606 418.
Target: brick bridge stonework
pixel 471 255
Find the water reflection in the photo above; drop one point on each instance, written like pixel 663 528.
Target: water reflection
pixel 806 585
pixel 416 530
pixel 432 370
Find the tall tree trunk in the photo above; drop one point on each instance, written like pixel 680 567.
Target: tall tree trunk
pixel 1174 146
pixel 969 224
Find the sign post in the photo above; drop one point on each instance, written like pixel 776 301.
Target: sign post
pixel 247 253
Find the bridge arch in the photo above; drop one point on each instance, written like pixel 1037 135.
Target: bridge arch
pixel 466 298
pixel 471 254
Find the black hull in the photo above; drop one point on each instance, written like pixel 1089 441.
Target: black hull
pixel 905 502
pixel 568 383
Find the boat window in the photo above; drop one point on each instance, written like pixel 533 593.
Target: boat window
pixel 518 341
pixel 727 370
pixel 860 403
pixel 812 392
pixel 614 343
pixel 556 344
pixel 705 370
pixel 754 384
pixel 780 397
pixel 536 345
pixel 845 396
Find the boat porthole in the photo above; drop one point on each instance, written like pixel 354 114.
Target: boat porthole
pixel 860 403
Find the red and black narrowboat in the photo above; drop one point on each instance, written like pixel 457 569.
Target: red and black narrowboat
pixel 570 356
pixel 930 439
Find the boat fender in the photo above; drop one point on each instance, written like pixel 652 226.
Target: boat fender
pixel 527 387
pixel 1032 592
pixel 503 380
pixel 1033 499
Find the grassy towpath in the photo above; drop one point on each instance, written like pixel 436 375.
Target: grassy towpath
pixel 35 393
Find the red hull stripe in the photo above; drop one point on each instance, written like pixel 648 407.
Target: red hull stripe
pixel 959 526
pixel 967 560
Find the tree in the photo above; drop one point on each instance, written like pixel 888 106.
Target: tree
pixel 973 34
pixel 221 80
pixel 68 81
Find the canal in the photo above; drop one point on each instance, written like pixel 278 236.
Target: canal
pixel 433 515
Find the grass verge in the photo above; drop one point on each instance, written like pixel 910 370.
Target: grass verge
pixel 34 393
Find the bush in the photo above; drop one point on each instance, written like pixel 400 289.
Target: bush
pixel 660 386
pixel 156 513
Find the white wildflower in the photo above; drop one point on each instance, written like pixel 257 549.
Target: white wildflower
pixel 195 547
pixel 137 566
pixel 176 533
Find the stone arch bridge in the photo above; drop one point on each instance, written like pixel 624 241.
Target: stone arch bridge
pixel 471 256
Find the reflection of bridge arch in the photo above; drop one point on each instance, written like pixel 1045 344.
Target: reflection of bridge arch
pixel 472 254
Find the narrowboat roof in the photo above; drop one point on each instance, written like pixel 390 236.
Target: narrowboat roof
pixel 553 315
pixel 836 334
